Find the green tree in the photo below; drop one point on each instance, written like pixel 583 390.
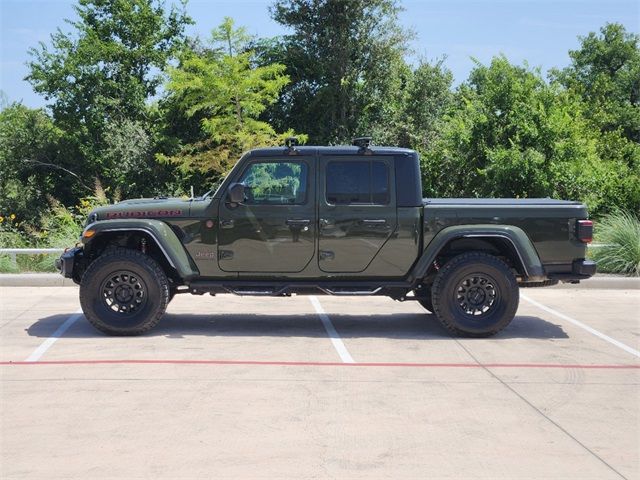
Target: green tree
pixel 429 95
pixel 605 72
pixel 412 114
pixel 100 77
pixel 346 61
pixel 510 134
pixel 31 164
pixel 223 88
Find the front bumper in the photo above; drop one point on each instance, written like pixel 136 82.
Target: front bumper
pixel 68 261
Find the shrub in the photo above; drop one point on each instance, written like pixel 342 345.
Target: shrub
pixel 620 234
pixel 10 237
pixel 58 228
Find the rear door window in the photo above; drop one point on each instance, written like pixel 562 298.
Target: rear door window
pixel 357 182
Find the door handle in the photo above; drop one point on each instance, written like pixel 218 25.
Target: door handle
pixel 327 255
pixel 324 222
pixel 378 221
pixel 226 223
pixel 293 222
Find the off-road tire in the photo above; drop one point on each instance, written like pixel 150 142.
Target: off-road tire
pixel 138 275
pixel 471 278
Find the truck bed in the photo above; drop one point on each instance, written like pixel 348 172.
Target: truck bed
pixel 528 202
pixel 548 223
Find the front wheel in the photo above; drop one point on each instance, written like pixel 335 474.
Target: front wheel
pixel 124 292
pixel 475 294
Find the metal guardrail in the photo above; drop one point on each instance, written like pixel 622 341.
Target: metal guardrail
pixel 14 252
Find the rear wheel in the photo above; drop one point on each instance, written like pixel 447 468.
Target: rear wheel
pixel 475 294
pixel 124 292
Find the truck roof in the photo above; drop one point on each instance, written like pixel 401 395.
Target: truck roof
pixel 309 150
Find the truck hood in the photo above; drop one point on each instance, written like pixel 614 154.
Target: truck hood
pixel 143 208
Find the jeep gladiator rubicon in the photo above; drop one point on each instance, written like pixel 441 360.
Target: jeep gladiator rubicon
pixel 346 220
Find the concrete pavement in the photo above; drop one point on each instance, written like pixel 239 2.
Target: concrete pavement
pixel 246 387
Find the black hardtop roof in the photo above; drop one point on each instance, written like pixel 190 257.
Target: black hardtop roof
pixel 310 150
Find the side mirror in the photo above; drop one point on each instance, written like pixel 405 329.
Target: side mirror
pixel 236 193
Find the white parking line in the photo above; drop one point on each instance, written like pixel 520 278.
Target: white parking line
pixel 345 356
pixel 44 346
pixel 593 331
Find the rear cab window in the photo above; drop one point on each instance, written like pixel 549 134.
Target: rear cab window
pixel 357 182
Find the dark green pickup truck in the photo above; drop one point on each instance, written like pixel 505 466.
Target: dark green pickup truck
pixel 327 220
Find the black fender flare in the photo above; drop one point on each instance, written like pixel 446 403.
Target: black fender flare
pixel 515 236
pixel 166 239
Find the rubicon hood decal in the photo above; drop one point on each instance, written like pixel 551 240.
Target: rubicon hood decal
pixel 144 213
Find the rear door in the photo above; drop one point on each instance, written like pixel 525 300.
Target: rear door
pixel 274 229
pixel 357 211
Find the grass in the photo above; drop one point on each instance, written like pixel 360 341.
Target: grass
pixel 620 234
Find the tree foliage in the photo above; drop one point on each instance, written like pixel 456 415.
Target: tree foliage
pixel 224 87
pixel 30 162
pixel 99 77
pixel 345 59
pixel 605 72
pixel 510 134
pixel 110 64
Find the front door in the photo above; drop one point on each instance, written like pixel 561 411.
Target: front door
pixel 274 229
pixel 357 211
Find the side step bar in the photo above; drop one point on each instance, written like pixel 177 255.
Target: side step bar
pixel 346 291
pixel 274 289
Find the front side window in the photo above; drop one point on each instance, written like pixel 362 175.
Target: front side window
pixel 275 183
pixel 357 182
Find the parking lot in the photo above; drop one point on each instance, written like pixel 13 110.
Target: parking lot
pixel 321 387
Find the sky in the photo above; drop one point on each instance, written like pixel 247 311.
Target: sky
pixel 540 32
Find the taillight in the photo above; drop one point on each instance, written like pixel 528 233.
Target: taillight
pixel 584 230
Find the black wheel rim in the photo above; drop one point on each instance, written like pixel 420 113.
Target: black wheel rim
pixel 477 295
pixel 124 292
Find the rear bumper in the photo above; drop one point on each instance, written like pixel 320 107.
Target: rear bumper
pixel 68 261
pixel 580 270
pixel 585 268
